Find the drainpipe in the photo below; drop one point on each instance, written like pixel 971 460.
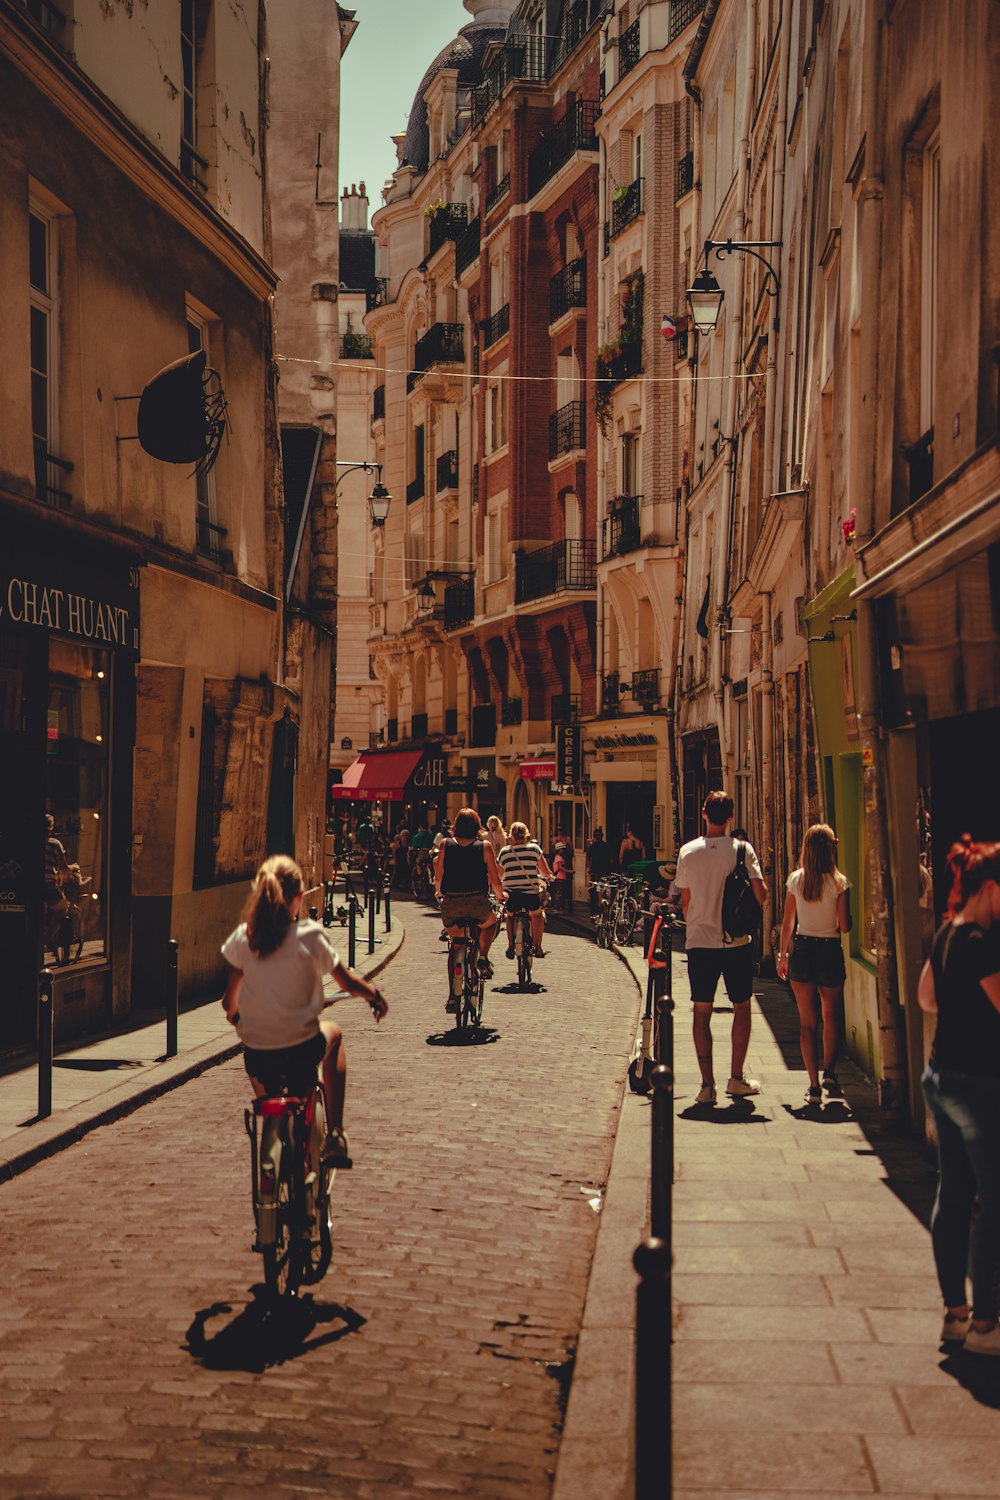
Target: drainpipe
pixel 772 415
pixel 602 446
pixel 892 1082
pixel 767 760
pixel 724 528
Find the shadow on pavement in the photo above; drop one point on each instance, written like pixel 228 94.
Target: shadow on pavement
pixel 481 1037
pixel 734 1112
pixel 978 1375
pixel 263 1334
pixel 830 1112
pixel 96 1064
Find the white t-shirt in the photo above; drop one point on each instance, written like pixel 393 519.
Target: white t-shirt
pixel 281 995
pixel 818 918
pixel 703 867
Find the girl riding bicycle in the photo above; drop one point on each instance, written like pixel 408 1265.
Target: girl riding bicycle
pixel 274 993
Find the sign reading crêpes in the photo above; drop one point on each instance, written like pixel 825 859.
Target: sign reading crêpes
pixel 102 610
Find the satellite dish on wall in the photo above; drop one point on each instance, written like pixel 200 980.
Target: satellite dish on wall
pixel 182 414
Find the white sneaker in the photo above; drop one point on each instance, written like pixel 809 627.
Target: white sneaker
pixel 983 1343
pixel 706 1094
pixel 742 1088
pixel 954 1329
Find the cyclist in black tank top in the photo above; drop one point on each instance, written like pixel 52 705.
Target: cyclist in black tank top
pixel 465 871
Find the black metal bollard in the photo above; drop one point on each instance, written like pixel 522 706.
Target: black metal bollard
pixel 46 1034
pixel 313 912
pixel 662 1153
pixel 371 920
pixel 653 1333
pixel 172 1004
pixel 352 930
pixel 388 905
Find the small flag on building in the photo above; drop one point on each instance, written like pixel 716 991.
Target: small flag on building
pixel 668 327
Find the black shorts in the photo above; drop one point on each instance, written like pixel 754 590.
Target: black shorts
pixel 523 901
pixel 296 1066
pixel 707 965
pixel 816 960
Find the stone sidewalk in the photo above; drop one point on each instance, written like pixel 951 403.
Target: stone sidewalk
pixel 100 1081
pixel 806 1309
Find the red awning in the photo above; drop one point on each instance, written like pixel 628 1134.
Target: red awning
pixel 378 778
pixel 538 770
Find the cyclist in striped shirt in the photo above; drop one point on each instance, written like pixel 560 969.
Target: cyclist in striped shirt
pixel 523 867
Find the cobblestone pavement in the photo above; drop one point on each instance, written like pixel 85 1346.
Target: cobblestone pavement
pixel 435 1356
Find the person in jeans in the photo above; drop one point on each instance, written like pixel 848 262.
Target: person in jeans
pixel 960 984
pixel 818 900
pixel 465 871
pixel 703 867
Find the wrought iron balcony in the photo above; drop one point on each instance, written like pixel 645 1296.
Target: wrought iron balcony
pixel 459 603
pixel 378 403
pixel 646 685
pixel 377 295
pixel 625 362
pixel 564 708
pixel 685 174
pixel 523 58
pixel 681 12
pixel 500 191
pixel 510 711
pixel 611 691
pixel 356 346
pixel 568 288
pixel 626 206
pixel 564 566
pixel 623 526
pixel 575 132
pixel 467 246
pixel 447 223
pixel 628 50
pixel 494 328
pixel 415 489
pixel 447 471
pixel 443 344
pixel 566 432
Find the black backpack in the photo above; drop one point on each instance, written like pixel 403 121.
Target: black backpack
pixel 740 909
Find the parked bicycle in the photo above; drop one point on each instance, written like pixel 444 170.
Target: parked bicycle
pixel 617 910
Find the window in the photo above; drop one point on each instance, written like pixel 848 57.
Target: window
pixel 572 526
pixel 930 239
pixel 496 416
pixel 493 545
pixel 630 463
pixel 209 535
pixel 43 318
pixel 192 23
pixel 637 156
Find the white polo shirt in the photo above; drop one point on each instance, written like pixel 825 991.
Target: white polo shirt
pixel 703 867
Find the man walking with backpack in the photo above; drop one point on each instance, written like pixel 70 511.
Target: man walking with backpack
pixel 722 890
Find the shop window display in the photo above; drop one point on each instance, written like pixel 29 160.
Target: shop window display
pixel 76 800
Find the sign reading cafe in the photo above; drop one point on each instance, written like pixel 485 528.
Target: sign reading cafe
pixel 103 612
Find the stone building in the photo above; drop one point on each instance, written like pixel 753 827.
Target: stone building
pixel 140 602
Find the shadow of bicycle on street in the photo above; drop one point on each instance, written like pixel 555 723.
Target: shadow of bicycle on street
pixel 481 1036
pixel 264 1332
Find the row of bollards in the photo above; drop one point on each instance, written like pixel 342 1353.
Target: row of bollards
pixel 653 1261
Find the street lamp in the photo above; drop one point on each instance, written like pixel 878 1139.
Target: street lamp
pixel 706 295
pixel 425 586
pixel 379 500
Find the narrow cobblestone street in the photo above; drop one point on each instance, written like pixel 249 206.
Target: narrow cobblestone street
pixel 436 1354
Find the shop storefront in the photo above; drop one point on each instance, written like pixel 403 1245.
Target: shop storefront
pixel 395 786
pixel 630 770
pixel 69 641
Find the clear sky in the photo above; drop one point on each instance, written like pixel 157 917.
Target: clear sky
pixel 395 43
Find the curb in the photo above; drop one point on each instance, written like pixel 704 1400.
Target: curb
pixel 208 1055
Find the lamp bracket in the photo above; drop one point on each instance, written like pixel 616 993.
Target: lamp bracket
pixel 824 639
pixel 772 282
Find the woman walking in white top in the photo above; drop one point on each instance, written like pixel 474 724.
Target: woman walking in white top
pixel 496 833
pixel 819 903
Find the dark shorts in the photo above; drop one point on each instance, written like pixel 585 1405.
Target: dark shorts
pixel 523 901
pixel 706 966
pixel 272 1066
pixel 817 961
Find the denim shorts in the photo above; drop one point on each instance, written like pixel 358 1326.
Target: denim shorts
pixel 816 960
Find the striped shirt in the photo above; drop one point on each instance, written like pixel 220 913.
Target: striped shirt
pixel 519 866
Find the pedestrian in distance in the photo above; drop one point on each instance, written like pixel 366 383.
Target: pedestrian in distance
pixel 960 985
pixel 274 993
pixel 599 859
pixel 632 850
pixel 703 868
pixel 818 909
pixel 496 833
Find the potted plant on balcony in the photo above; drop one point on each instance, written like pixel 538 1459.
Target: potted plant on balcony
pixel 605 382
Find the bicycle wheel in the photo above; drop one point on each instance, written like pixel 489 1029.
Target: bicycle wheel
pixel 281 1268
pixel 626 919
pixel 317 1240
pixel 458 953
pixel 471 1003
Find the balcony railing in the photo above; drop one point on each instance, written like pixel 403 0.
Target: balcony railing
pixel 211 541
pixel 646 685
pixel 568 288
pixel 443 344
pixel 566 432
pixel 628 50
pixel 500 191
pixel 626 207
pixel 510 711
pixel 575 132
pixel 611 691
pixel 681 12
pixel 623 526
pixel 494 328
pixel 467 246
pixel 447 223
pixel 564 566
pixel 447 471
pixel 523 58
pixel 564 708
pixel 415 489
pixel 48 472
pixel 356 346
pixel 378 403
pixel 377 295
pixel 625 362
pixel 459 603
pixel 685 174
